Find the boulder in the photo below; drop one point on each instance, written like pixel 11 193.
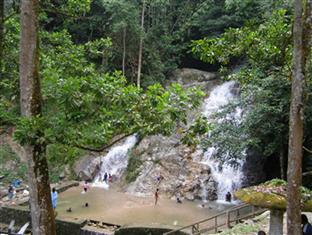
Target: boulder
pixel 193 77
pixel 87 167
pixel 272 195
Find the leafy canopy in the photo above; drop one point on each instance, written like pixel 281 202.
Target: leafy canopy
pixel 264 51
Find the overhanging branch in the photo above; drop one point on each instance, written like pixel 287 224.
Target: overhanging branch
pixel 306 149
pixel 103 147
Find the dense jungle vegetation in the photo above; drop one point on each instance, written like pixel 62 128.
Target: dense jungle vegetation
pixel 81 41
pixel 105 66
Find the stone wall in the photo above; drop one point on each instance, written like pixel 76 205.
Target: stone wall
pixel 144 231
pixel 63 227
pixel 20 214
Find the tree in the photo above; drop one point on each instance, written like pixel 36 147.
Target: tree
pixel 302 37
pixel 42 214
pixel 141 45
pixel 1 33
pixel 265 50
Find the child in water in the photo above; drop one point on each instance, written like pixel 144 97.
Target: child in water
pixel 85 187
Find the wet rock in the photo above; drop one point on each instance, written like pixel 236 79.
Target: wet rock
pixel 167 156
pixel 62 176
pixel 189 196
pixel 87 167
pixel 253 169
pixel 211 187
pixel 193 77
pixel 173 162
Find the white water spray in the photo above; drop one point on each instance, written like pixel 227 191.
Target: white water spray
pixel 114 162
pixel 227 176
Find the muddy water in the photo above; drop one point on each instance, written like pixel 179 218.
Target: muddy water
pixel 116 207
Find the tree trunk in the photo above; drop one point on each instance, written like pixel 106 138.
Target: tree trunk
pixel 283 163
pixel 141 45
pixel 42 214
pixel 296 127
pixel 1 35
pixel 276 222
pixel 124 33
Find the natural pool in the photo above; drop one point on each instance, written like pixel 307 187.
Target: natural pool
pixel 112 206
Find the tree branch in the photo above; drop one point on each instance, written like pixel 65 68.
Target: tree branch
pixel 57 12
pixel 9 16
pixel 306 149
pixel 105 146
pixel 307 173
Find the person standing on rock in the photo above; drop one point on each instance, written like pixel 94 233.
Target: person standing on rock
pixel 156 196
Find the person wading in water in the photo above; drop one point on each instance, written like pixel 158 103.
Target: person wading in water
pixel 156 196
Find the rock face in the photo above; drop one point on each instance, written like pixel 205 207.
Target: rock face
pixel 173 162
pixel 169 166
pixel 167 157
pixel 253 169
pixel 87 167
pixel 193 77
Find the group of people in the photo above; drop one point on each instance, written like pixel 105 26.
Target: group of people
pixel 107 178
pixel 306 226
pixel 54 196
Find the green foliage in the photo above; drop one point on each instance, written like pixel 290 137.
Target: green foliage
pixel 265 86
pixel 264 45
pixel 305 192
pixel 61 159
pixel 134 163
pixel 11 166
pixel 86 103
pixel 84 107
pixel 241 229
pixel 7 113
pixel 199 128
pixel 276 182
pixel 168 28
pixel 63 155
pixel 29 130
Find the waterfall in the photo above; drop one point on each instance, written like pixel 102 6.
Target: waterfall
pixel 228 176
pixel 114 162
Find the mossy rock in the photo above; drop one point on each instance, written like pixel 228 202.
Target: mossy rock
pixel 272 195
pixel 265 200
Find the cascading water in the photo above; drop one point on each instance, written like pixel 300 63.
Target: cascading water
pixel 228 176
pixel 115 161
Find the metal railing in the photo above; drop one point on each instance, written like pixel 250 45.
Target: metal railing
pixel 222 220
